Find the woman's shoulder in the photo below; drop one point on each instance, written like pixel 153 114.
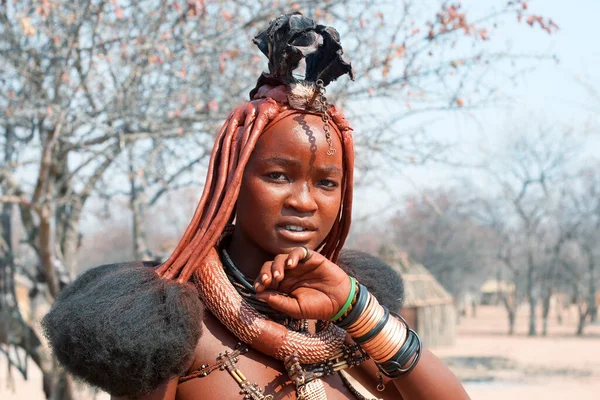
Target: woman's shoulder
pixel 216 339
pixel 211 355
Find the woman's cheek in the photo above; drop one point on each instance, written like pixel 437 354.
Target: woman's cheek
pixel 330 201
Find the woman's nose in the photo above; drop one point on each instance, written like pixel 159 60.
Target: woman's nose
pixel 301 198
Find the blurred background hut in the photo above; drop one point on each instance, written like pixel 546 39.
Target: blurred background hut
pixel 428 307
pixel 493 291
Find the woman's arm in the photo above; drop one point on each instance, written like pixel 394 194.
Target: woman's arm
pixel 164 392
pixel 317 289
pixel 430 380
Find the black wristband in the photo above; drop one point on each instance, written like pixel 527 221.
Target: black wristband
pixel 373 332
pixel 403 350
pixel 393 368
pixel 404 354
pixel 411 349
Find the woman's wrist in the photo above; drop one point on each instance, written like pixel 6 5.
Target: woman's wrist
pixel 383 335
pixel 350 301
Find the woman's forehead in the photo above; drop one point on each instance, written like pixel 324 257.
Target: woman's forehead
pixel 300 136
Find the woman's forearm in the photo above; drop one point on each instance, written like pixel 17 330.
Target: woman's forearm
pixel 431 379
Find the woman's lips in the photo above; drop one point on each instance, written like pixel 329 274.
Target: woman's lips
pixel 295 233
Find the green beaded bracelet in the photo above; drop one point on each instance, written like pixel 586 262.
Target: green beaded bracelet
pixel 348 302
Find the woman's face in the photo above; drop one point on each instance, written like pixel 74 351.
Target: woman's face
pixel 291 189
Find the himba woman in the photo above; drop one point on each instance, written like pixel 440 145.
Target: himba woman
pixel 262 245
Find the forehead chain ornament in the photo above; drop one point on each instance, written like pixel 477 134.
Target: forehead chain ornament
pixel 325 116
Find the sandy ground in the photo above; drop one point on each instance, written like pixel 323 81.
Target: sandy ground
pixel 494 366
pixel 491 365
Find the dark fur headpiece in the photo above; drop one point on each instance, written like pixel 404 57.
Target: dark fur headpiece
pixel 300 51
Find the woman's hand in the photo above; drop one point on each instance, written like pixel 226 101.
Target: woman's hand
pixel 315 288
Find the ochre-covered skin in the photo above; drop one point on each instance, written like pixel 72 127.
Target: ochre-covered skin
pixel 196 255
pixel 196 258
pixel 231 152
pixel 254 329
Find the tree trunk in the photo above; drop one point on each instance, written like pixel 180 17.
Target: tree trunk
pixel 62 385
pixel 511 306
pixel 70 240
pixel 140 247
pixel 581 323
pixel 7 300
pixel 47 251
pixel 546 311
pixel 582 309
pixel 138 204
pixel 592 310
pixel 559 315
pixel 511 322
pixel 33 347
pixel 66 220
pixel 548 287
pixel 532 327
pixel 530 294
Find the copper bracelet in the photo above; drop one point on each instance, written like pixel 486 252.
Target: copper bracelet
pixel 371 322
pixel 387 339
pixel 389 353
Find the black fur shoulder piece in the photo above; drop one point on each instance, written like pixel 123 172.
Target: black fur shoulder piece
pixel 300 50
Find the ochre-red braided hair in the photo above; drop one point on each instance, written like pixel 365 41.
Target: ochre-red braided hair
pixel 233 147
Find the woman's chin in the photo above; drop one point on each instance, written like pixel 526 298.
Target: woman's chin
pixel 281 246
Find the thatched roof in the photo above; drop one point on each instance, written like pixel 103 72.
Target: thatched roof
pixel 420 287
pixel 496 286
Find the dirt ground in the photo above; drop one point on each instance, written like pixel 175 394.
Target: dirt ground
pixel 491 365
pixel 494 366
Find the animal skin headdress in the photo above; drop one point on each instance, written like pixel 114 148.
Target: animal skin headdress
pixel 303 58
pixel 300 54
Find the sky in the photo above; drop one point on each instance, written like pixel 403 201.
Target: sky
pixel 550 93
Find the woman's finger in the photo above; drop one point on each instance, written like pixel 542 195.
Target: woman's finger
pixel 293 257
pixel 287 305
pixel 278 270
pixel 264 278
pixel 312 260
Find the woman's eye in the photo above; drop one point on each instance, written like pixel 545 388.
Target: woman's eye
pixel 277 176
pixel 328 183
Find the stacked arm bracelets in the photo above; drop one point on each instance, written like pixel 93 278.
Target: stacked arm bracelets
pixel 383 335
